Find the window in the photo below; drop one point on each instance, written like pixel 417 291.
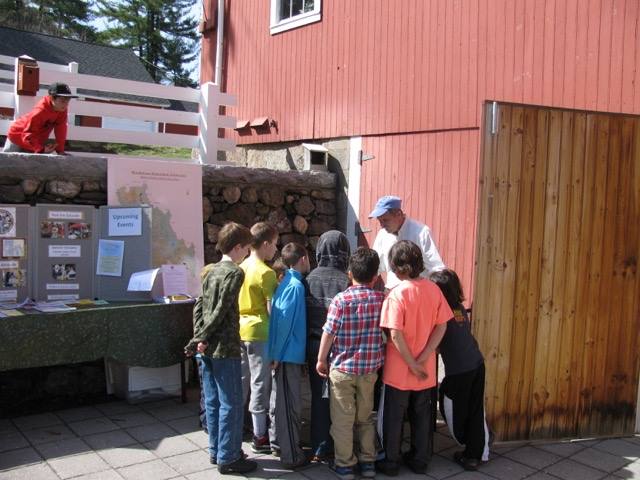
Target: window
pixel 288 14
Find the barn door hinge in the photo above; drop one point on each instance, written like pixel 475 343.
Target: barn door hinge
pixel 359 230
pixel 494 118
pixel 363 157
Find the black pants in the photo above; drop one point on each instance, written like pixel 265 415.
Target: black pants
pixel 462 406
pixel 321 441
pixel 417 406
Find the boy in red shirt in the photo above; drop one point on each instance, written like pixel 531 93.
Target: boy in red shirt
pixel 30 132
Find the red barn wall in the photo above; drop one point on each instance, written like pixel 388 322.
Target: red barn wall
pixel 381 67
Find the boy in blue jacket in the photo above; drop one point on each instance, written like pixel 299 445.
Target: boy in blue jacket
pixel 287 352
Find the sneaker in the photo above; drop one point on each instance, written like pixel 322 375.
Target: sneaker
pixel 242 465
pixel 389 468
pixel 344 473
pixel 367 470
pixel 214 460
pixel 260 444
pixel 467 463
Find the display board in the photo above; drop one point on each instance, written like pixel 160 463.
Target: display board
pixel 124 247
pixel 63 237
pixel 15 257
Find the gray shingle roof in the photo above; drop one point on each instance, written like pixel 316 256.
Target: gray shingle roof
pixel 92 59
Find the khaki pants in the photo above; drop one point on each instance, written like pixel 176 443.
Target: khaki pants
pixel 351 401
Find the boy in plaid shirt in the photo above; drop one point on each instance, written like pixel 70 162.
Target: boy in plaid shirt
pixel 352 332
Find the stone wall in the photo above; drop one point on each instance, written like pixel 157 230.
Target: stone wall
pixel 302 205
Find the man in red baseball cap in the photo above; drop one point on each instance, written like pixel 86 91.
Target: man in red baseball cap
pixel 30 133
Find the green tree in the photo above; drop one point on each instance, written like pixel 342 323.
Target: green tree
pixel 62 18
pixel 161 32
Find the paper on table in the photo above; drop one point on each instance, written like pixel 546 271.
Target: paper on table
pixel 174 279
pixel 110 255
pixel 142 281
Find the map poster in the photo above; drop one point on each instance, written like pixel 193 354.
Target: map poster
pixel 174 192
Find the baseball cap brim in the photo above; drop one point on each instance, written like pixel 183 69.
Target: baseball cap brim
pixel 378 212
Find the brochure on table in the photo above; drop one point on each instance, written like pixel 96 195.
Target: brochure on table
pixel 15 255
pixel 63 237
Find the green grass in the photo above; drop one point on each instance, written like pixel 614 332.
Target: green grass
pixel 129 150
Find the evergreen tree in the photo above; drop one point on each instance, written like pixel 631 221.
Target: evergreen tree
pixel 161 32
pixel 62 18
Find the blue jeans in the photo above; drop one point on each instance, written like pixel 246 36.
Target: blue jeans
pixel 222 385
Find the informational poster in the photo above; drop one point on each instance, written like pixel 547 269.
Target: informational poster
pixel 8 222
pixel 174 191
pixel 61 251
pixel 174 279
pixel 110 256
pixel 125 222
pixel 143 281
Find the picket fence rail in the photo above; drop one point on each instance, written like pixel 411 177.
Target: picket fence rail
pixel 208 97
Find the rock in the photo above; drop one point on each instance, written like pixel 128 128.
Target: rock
pixel 313 242
pixel 329 219
pixel 326 208
pixel 324 194
pixel 11 194
pixel 211 231
pixel 63 188
pixel 249 195
pixel 219 206
pixel 48 198
pixel 91 186
pixel 243 213
pixel 300 225
pixel 304 206
pixel 207 209
pixel 293 237
pixel 30 186
pixel 211 255
pixel 213 191
pixel 318 227
pixel 278 217
pixel 290 199
pixel 231 194
pixel 262 209
pixel 273 197
pixel 6 180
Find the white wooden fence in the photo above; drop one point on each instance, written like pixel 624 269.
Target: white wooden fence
pixel 207 119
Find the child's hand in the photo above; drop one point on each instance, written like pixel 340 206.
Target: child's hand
pixel 322 369
pixel 417 370
pixel 202 346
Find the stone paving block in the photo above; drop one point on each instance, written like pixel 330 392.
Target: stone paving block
pixel 563 449
pixel 570 470
pixel 132 419
pixel 443 442
pixel 201 439
pixel 76 465
pixel 113 439
pixel 442 467
pixel 92 426
pixel 125 456
pixel 153 431
pixel 322 472
pixel 504 468
pixel 186 425
pixel 6 425
pixel 64 448
pixel 190 462
pixel 77 414
pixel 165 414
pixel 600 459
pixel 12 440
pixel 213 475
pixel 542 476
pixel 19 457
pixel 619 447
pixel 167 402
pixel 470 476
pixel 533 457
pixel 155 470
pixel 52 433
pixel 106 475
pixel 116 408
pixel 39 471
pixel 168 447
pixel 36 421
pixel 632 470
